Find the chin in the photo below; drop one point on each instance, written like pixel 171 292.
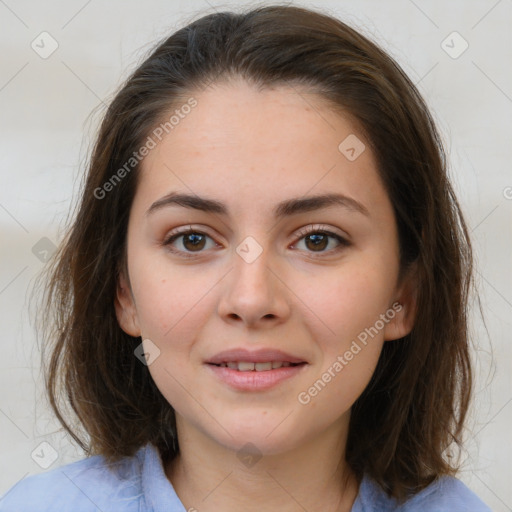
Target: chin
pixel 263 436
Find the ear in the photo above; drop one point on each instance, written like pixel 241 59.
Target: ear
pixel 126 311
pixel 404 305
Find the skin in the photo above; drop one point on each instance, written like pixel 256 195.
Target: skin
pixel 252 149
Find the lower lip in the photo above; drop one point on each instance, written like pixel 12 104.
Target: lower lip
pixel 254 380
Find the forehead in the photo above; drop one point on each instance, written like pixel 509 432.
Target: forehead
pixel 245 143
pixel 238 115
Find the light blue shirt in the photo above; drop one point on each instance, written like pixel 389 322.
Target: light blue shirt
pixel 139 484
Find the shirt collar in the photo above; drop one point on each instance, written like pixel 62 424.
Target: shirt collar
pixel 158 491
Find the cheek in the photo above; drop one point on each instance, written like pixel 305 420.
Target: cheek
pixel 349 338
pixel 348 331
pixel 346 301
pixel 170 302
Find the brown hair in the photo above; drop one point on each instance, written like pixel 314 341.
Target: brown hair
pixel 416 403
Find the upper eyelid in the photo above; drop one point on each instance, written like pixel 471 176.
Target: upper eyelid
pixel 304 230
pixel 313 228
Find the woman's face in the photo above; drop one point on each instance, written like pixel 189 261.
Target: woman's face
pixel 257 274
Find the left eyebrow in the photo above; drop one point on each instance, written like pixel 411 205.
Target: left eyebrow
pixel 288 207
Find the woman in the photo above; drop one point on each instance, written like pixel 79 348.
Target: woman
pixel 262 302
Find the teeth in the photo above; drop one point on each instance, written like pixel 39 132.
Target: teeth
pixel 260 367
pixel 246 366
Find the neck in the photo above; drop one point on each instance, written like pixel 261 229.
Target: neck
pixel 208 476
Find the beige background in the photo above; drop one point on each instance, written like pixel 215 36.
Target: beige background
pixel 46 128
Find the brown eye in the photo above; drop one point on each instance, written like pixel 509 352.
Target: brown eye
pixel 186 243
pixel 319 241
pixel 194 241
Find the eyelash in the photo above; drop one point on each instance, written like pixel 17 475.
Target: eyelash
pixel 304 232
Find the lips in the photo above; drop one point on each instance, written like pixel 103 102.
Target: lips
pixel 254 371
pixel 248 366
pixel 260 360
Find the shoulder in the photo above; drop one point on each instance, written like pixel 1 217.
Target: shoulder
pixel 446 494
pixel 89 484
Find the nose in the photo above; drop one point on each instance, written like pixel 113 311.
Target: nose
pixel 254 293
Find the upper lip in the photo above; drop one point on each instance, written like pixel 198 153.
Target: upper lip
pixel 262 355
